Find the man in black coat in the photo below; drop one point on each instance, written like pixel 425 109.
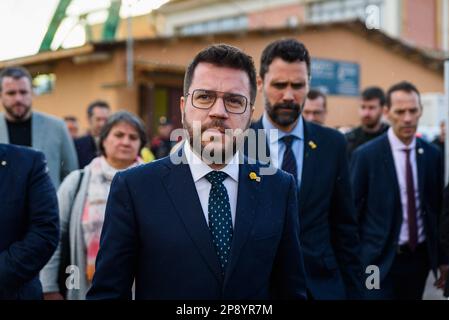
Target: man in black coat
pixel 29 221
pixel 87 146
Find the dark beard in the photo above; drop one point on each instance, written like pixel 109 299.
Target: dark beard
pixel 282 119
pixel 211 157
pixel 17 117
pixel 373 124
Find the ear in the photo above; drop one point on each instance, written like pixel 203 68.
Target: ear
pixel 259 84
pixel 420 113
pixel 251 111
pixel 182 102
pixel 386 110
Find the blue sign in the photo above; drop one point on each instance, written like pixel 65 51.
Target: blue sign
pixel 333 77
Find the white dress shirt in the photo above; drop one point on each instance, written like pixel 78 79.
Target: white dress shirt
pixel 277 149
pixel 399 156
pixel 199 170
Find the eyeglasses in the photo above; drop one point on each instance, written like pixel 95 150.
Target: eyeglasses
pixel 205 99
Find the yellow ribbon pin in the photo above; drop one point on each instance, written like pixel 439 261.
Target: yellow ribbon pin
pixel 312 145
pixel 253 176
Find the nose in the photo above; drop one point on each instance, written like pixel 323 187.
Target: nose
pixel 126 140
pixel 18 97
pixel 288 94
pixel 365 112
pixel 218 109
pixel 407 117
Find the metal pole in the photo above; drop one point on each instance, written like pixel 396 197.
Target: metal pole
pixel 445 26
pixel 129 53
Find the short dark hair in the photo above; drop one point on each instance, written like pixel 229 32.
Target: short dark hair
pixel 70 118
pixel 402 86
pixel 14 72
pixel 223 55
pixel 96 104
pixel 289 50
pixel 315 94
pixel 127 117
pixel 374 92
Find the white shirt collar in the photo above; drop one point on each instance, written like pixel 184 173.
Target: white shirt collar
pixel 298 130
pixel 199 169
pixel 397 144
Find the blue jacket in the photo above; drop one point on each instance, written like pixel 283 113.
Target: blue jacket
pixel 29 221
pixel 327 216
pixel 86 150
pixel 378 202
pixel 155 231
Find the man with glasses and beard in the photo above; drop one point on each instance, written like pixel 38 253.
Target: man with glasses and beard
pixel 316 157
pixel 216 228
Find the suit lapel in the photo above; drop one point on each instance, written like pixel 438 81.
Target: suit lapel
pixel 38 139
pixel 388 161
pixel 258 127
pixel 247 200
pixel 3 166
pixel 309 163
pixel 182 191
pixel 4 137
pixel 420 165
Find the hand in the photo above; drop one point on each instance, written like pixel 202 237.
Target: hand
pixel 53 296
pixel 440 283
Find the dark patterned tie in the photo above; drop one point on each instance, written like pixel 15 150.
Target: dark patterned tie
pixel 411 203
pixel 289 161
pixel 220 219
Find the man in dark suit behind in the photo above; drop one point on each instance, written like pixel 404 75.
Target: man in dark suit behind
pixel 87 146
pixel 29 221
pixel 398 185
pixel 201 224
pixel 316 156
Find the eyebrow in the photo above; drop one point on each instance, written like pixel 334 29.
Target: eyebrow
pixel 224 92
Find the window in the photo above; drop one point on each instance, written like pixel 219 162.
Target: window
pixel 44 83
pixel 215 26
pixel 340 10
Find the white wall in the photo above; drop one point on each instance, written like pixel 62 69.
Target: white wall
pixel 391 16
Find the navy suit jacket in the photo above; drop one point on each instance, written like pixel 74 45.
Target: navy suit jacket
pixel 29 221
pixel 86 150
pixel 444 234
pixel 378 202
pixel 444 230
pixel 327 216
pixel 155 232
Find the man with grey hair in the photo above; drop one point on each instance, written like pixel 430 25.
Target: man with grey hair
pixel 20 125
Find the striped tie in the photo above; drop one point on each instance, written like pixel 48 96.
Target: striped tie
pixel 289 161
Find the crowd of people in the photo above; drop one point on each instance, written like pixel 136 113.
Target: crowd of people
pixel 94 217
